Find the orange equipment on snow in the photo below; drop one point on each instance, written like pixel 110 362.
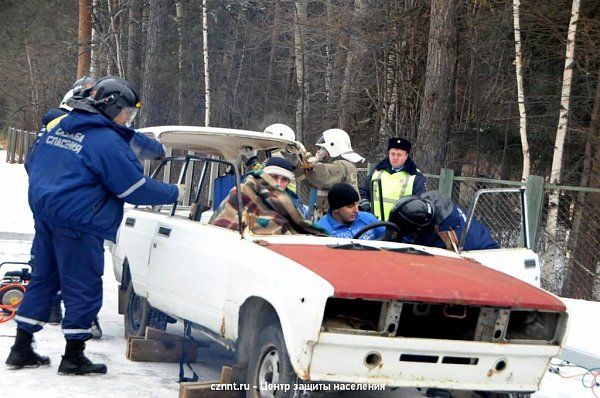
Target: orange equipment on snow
pixel 12 290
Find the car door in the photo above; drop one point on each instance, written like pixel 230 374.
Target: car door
pixel 187 270
pixel 514 257
pixel 136 233
pixel 188 264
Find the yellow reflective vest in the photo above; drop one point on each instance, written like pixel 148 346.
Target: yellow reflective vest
pixel 393 187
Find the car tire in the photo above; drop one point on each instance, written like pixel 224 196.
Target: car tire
pixel 270 365
pixel 139 314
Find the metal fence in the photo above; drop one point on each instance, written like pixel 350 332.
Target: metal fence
pixel 569 254
pixel 19 143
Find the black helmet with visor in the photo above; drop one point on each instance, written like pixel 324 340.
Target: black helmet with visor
pixel 115 96
pixel 83 87
pixel 413 214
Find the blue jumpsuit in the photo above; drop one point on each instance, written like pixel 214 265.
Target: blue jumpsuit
pixel 83 171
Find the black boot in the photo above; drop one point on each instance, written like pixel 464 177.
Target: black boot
pixel 22 354
pixel 96 329
pixel 74 362
pixel 55 314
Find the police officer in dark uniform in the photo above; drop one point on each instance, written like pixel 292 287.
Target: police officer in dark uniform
pixel 397 175
pixel 83 172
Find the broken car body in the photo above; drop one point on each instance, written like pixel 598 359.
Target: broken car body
pixel 326 309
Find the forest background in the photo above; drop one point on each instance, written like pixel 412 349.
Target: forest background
pixel 441 73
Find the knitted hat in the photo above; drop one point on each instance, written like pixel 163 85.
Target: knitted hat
pixel 341 195
pixel 399 143
pixel 279 167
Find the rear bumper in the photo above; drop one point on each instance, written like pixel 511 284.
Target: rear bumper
pixel 493 367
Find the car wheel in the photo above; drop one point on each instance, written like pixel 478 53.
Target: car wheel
pixel 139 314
pixel 269 368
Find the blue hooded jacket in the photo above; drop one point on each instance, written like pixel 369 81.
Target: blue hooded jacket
pixel 84 170
pixel 478 238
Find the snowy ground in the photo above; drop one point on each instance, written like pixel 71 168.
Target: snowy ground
pixel 126 378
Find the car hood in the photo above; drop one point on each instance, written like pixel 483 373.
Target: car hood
pixel 388 275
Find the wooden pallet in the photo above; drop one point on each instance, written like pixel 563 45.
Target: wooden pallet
pixel 159 346
pixel 206 389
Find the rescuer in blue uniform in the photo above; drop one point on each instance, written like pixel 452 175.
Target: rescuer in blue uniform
pixel 434 220
pixel 83 172
pixel 144 148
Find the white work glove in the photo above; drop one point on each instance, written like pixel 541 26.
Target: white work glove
pixel 182 192
pixel 312 159
pixel 247 152
pixel 321 154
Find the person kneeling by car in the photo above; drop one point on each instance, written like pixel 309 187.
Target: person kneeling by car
pixel 434 220
pixel 343 219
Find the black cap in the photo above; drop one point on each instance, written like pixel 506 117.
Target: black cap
pixel 399 143
pixel 341 195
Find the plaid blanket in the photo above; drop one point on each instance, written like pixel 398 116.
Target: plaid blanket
pixel 267 209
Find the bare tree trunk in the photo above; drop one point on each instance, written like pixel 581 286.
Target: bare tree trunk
pixel 587 208
pixel 357 49
pixel 273 50
pixel 552 220
pixel 336 59
pixel 84 38
pixel 390 96
pixel 94 66
pixel 520 92
pixel 206 69
pixel 115 33
pixel 154 85
pixel 180 16
pixel 35 98
pixel 301 99
pixel 134 44
pixel 435 119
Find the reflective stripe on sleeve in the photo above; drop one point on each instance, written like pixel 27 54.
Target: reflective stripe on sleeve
pixel 132 188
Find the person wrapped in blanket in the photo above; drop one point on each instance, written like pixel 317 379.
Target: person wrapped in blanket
pixel 268 206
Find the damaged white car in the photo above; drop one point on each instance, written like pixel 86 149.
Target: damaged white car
pixel 320 309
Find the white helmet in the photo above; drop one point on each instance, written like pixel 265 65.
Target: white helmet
pixel 281 130
pixel 63 103
pixel 337 143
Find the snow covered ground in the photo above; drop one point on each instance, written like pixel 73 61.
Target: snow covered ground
pixel 126 378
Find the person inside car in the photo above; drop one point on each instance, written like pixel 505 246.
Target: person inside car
pixel 343 219
pixel 434 220
pixel 269 208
